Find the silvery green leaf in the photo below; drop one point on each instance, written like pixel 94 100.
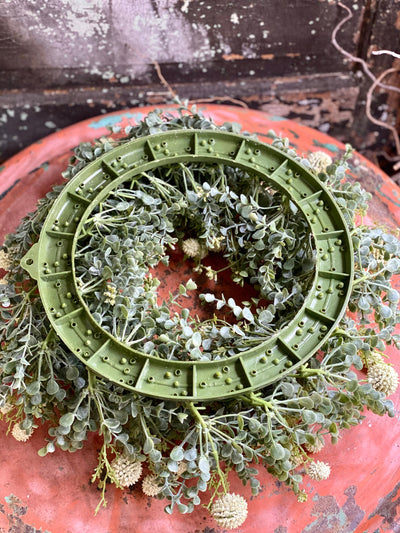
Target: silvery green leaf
pixel 33 388
pixel 187 332
pixel 308 416
pixel 66 420
pixel 190 454
pixel 148 445
pixel 393 265
pixel 177 453
pixel 191 285
pixel 196 339
pixel 155 456
pixel 247 314
pixel 112 424
pixel 72 373
pixel 122 206
pixel 204 465
pixel 393 296
pixel 173 466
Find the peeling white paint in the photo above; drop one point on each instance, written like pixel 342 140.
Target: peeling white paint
pixel 185 7
pixel 234 18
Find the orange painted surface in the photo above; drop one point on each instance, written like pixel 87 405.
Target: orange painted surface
pixel 54 493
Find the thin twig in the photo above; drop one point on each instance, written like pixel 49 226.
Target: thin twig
pixel 163 80
pixel 377 83
pixel 389 52
pixel 218 99
pixel 353 58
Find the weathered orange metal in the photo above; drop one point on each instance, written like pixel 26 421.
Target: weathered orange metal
pixel 54 493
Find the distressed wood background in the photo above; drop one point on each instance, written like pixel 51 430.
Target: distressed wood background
pixel 65 60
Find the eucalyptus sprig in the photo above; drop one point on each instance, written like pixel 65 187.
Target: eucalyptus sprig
pixel 203 210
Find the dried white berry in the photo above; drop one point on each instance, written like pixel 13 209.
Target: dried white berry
pixel 318 470
pixel 229 511
pixel 383 378
pixel 7 407
pixel 125 471
pixel 150 486
pixel 193 248
pixel 319 161
pixel 296 457
pixel 374 358
pixel 20 434
pixel 317 446
pixel 110 294
pixel 5 261
pixel 302 497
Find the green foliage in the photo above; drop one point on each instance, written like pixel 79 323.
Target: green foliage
pixel 265 242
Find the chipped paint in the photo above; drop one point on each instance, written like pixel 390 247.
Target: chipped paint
pixel 332 517
pixel 16 510
pixel 232 57
pixel 111 120
pixel 329 146
pixel 387 508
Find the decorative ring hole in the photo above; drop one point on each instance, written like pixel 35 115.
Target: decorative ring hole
pixel 73 324
pixel 145 157
pixel 253 372
pixel 29 261
pixel 301 323
pixel 211 141
pixel 271 169
pixel 164 144
pixel 97 335
pixel 119 158
pixel 257 151
pixel 58 284
pixel 297 174
pixel 269 351
pixel 78 350
pixel 232 153
pixel 130 382
pixel 52 309
pixel 150 379
pixel 178 372
pixel 59 243
pixel 106 358
pixel 188 149
pixel 225 369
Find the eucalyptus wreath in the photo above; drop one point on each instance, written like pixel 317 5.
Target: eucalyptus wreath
pixel 204 210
